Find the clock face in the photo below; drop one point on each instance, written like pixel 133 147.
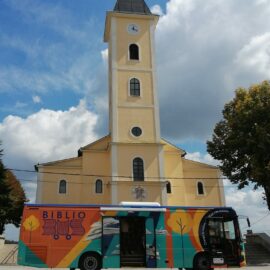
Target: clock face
pixel 133 28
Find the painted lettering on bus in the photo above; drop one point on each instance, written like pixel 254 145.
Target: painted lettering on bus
pixel 63 215
pixel 63 223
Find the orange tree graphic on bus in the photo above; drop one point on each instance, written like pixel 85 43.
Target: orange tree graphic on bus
pixel 31 224
pixel 181 223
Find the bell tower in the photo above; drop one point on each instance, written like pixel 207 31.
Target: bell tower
pixel 133 104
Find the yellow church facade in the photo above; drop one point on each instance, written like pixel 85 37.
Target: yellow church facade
pixel 133 162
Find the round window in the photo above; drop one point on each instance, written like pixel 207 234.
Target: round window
pixel 136 131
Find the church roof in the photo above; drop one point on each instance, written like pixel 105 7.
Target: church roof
pixel 132 6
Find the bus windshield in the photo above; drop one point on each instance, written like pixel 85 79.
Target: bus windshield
pixel 220 230
pixel 224 236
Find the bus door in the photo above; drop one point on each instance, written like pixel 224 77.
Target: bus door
pixel 132 241
pixel 150 243
pixel 231 242
pixel 223 241
pixel 111 242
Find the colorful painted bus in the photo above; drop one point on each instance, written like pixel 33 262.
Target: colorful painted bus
pixel 90 237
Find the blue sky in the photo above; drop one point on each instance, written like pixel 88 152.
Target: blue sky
pixel 53 76
pixel 44 38
pixel 40 44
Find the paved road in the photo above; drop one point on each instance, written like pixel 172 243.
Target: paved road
pixel 31 268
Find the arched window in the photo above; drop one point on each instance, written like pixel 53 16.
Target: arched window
pixel 138 169
pixel 63 187
pixel 135 88
pixel 200 188
pixel 133 52
pixel 99 186
pixel 169 187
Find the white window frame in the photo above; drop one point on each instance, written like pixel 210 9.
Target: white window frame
pixel 133 136
pixel 129 95
pixel 144 172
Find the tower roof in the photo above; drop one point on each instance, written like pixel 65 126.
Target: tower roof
pixel 132 6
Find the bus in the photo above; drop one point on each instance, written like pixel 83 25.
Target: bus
pixel 91 237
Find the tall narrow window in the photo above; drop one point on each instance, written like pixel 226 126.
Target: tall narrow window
pixel 138 169
pixel 63 187
pixel 200 188
pixel 169 187
pixel 99 186
pixel 133 52
pixel 135 88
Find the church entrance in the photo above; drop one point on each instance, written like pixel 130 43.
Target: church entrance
pixel 132 241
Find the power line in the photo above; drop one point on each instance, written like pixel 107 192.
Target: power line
pixel 257 221
pixel 130 177
pixel 149 183
pixel 121 176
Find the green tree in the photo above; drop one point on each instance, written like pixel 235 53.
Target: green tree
pixel 12 198
pixel 5 201
pixel 241 140
pixel 18 198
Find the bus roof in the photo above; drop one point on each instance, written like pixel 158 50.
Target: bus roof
pixel 124 206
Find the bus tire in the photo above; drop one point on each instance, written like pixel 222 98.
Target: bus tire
pixel 202 262
pixel 90 261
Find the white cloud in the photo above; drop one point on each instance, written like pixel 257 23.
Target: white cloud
pixel 104 55
pixel 46 135
pixel 36 99
pixel 20 105
pixel 206 49
pixel 156 9
pixel 263 2
pixel 206 158
pixel 254 57
pixel 249 203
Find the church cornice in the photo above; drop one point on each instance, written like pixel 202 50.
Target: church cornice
pixel 154 144
pixel 57 163
pixel 90 146
pixel 182 151
pixel 135 106
pixel 202 165
pixel 134 69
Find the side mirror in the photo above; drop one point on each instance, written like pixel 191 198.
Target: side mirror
pixel 245 217
pixel 248 222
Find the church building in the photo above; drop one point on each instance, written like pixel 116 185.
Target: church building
pixel 133 162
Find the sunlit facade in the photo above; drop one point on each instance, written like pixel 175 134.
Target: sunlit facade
pixel 133 162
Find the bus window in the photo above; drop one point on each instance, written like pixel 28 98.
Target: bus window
pixel 229 230
pixel 215 228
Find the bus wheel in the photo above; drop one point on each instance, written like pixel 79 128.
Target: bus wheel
pixel 90 261
pixel 202 262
